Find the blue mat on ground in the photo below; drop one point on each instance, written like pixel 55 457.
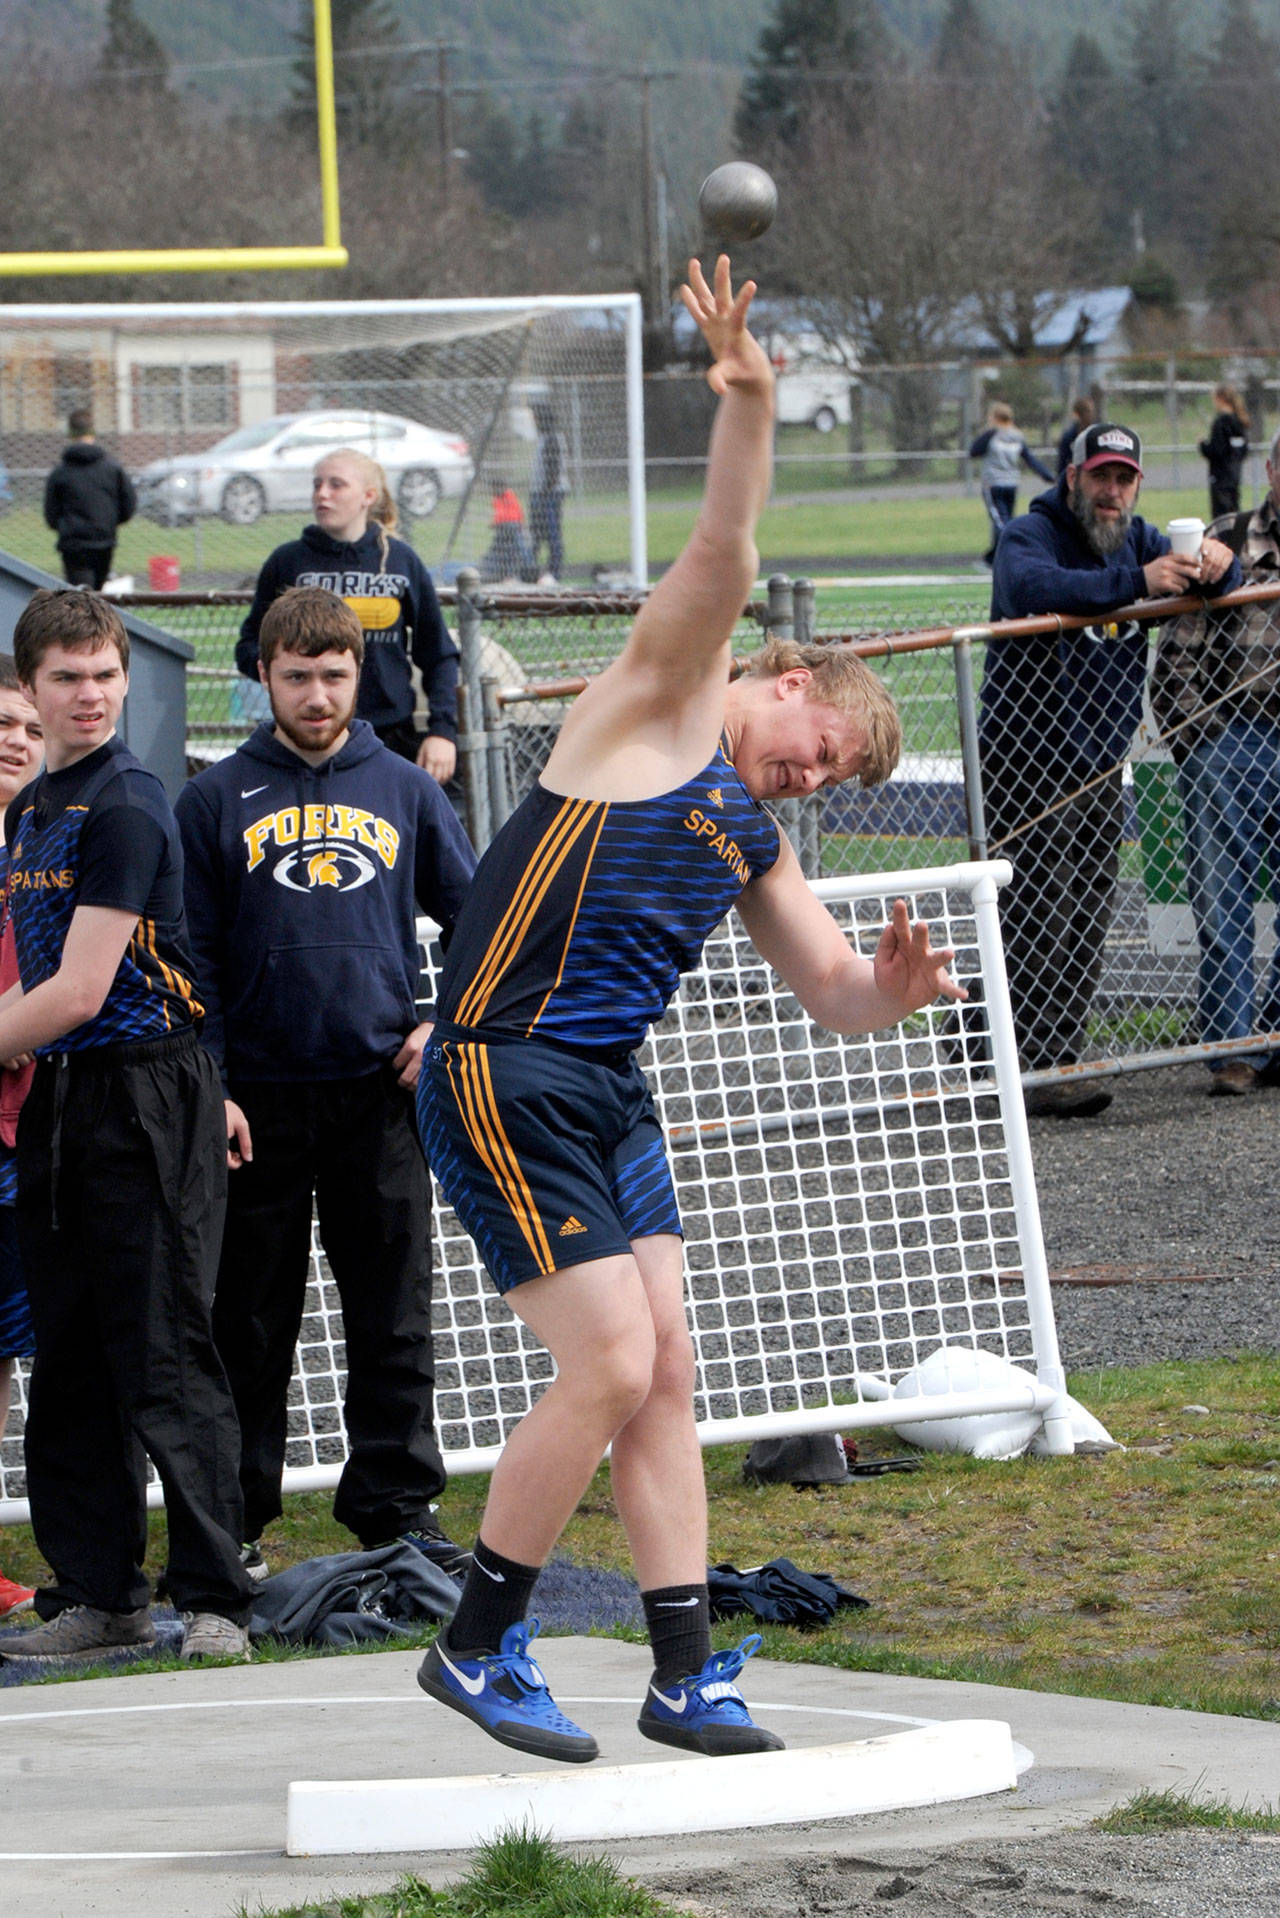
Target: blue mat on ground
pixel 568 1599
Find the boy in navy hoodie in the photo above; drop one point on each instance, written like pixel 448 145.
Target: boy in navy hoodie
pixel 309 852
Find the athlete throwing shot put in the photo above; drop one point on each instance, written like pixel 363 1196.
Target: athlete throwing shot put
pixel 644 829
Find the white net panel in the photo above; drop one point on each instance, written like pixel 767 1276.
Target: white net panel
pixel 850 1205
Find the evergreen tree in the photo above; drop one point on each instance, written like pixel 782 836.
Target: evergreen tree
pixel 966 49
pixel 364 33
pixel 811 53
pixel 131 52
pixel 1085 110
pixel 1236 174
pixel 1157 127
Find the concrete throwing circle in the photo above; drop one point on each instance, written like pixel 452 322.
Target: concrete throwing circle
pixel 124 1766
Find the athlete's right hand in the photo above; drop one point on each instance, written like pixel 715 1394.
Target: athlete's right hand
pixel 239 1138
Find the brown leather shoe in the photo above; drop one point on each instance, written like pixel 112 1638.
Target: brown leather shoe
pixel 1068 1099
pixel 1229 1080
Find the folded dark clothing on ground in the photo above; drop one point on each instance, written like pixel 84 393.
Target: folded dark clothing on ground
pixel 808 1458
pixel 779 1593
pixel 352 1597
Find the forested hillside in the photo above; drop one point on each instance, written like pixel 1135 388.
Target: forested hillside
pixel 931 154
pixel 502 34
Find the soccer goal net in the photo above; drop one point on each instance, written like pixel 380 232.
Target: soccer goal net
pixel 851 1207
pixel 219 411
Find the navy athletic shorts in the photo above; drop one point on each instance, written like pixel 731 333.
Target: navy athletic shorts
pixel 548 1158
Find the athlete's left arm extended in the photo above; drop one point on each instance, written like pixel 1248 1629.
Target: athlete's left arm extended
pixel 791 928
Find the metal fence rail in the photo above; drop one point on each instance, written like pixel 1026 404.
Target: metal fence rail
pixel 525 654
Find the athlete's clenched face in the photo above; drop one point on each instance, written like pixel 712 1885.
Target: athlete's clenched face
pixel 313 700
pixel 788 744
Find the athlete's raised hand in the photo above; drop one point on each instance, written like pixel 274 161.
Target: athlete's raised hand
pixel 740 362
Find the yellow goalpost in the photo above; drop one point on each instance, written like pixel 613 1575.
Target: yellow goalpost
pixel 214 259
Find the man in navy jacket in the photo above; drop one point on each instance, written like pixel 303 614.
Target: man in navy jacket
pixel 308 853
pixel 1056 714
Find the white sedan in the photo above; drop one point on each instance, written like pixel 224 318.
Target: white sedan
pixel 266 467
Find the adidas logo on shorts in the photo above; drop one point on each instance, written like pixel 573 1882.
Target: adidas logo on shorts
pixel 570 1226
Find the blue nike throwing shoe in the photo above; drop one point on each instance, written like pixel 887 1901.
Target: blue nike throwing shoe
pixel 505 1693
pixel 707 1713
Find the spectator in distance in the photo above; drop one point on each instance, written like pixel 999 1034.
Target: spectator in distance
pixel 1225 450
pixel 548 484
pixel 1002 450
pixel 87 497
pixel 1082 415
pixel 351 551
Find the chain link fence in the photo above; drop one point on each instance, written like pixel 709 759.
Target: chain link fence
pixel 1145 845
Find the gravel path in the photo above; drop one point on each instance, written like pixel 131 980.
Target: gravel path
pixel 1167 1185
pixel 1178 1875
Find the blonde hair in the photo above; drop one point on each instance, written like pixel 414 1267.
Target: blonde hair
pixel 1229 397
pixel 382 513
pixel 841 679
pixel 1001 413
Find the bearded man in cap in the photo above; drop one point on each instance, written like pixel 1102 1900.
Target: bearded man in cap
pixel 1056 715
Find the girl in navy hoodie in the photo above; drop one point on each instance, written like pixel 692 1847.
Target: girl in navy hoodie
pixel 350 550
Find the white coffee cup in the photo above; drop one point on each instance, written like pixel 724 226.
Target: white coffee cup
pixel 1186 536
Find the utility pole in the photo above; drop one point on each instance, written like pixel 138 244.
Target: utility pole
pixel 653 277
pixel 445 91
pixel 444 116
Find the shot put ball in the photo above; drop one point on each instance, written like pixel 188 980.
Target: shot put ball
pixel 737 203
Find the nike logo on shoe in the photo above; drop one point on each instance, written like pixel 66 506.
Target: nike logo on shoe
pixel 253 792
pixel 679 1703
pixel 473 1686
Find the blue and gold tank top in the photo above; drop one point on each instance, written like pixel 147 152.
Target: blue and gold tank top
pixel 152 993
pixel 583 913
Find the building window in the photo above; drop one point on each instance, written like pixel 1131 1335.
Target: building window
pixel 175 396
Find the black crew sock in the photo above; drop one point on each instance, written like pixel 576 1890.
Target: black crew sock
pixel 496 1594
pixel 678 1620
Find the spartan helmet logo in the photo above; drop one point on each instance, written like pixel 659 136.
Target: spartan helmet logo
pixel 306 868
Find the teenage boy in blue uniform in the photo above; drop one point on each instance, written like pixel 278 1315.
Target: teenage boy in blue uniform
pixel 644 829
pixel 309 852
pixel 121 1172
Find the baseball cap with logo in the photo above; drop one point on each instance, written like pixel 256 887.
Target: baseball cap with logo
pixel 1106 444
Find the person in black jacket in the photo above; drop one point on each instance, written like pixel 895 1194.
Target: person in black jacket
pixel 87 496
pixel 308 853
pixel 1056 714
pixel 1083 414
pixel 351 551
pixel 1225 448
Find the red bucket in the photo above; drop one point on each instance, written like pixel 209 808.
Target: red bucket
pixel 163 572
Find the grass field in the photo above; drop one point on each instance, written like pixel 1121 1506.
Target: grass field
pixel 1150 1575
pixel 829 529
